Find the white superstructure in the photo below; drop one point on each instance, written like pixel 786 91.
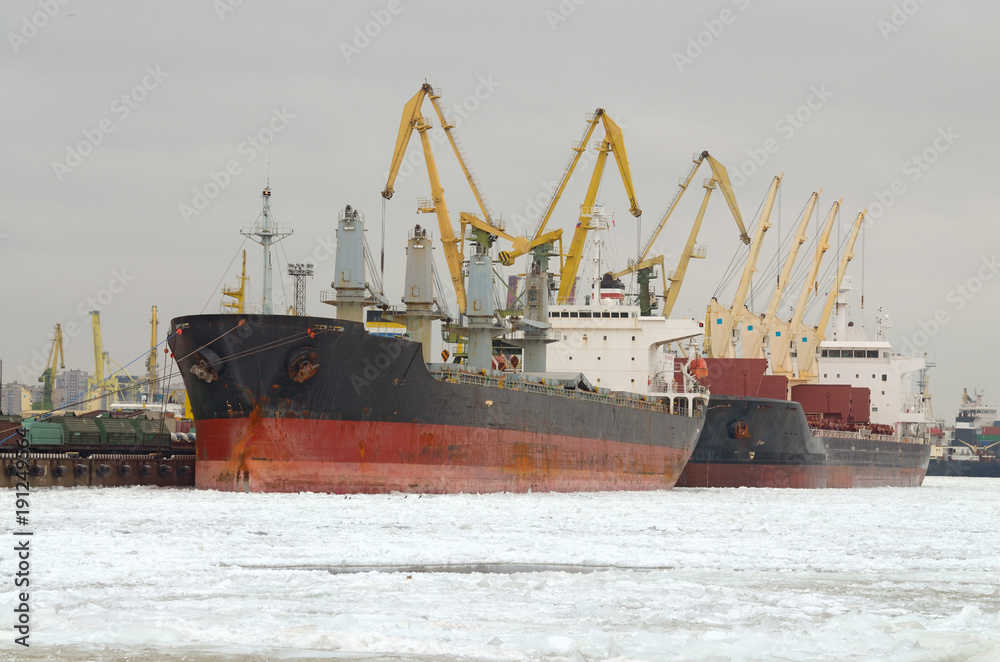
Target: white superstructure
pixel 612 343
pixel 893 379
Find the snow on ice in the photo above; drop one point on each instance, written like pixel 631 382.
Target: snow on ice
pixel 700 574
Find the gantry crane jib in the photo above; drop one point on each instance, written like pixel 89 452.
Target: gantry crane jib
pixel 690 252
pixel 719 179
pixel 721 175
pixel 613 143
pixel 413 119
pixel 578 150
pixel 411 111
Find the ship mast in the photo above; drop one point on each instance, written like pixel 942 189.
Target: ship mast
pixel 268 235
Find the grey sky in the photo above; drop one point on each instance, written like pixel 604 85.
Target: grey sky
pixel 886 79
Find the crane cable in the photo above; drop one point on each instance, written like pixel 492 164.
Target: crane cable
pixel 382 259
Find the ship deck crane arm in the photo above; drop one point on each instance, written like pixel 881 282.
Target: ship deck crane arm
pixel 831 298
pixel 447 125
pixel 810 285
pixel 807 352
pixel 753 342
pixel 719 334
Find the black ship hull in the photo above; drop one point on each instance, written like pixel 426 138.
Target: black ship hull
pixel 314 404
pixel 763 442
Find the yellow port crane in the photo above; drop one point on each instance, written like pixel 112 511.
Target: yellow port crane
pixel 485 229
pixel 414 119
pixel 151 362
pixel 813 337
pixel 48 377
pixel 759 328
pixel 105 382
pixel 97 387
pixel 643 265
pixel 783 334
pixel 721 323
pixel 613 143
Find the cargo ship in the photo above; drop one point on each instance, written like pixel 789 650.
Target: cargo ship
pixel 855 421
pixel 754 436
pixel 287 403
pixel 973 448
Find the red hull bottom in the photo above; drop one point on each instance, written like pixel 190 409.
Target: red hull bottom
pixel 797 476
pixel 350 457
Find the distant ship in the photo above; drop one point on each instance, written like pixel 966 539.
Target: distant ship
pixel 973 448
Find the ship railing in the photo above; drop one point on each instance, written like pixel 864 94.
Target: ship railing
pixel 634 401
pixel 842 434
pixel 662 386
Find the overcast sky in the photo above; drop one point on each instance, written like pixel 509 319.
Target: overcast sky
pixel 117 115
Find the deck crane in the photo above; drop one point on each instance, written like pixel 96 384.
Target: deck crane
pixel 721 323
pixel 48 377
pixel 813 337
pixel 759 327
pixel 784 333
pixel 643 266
pixel 614 143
